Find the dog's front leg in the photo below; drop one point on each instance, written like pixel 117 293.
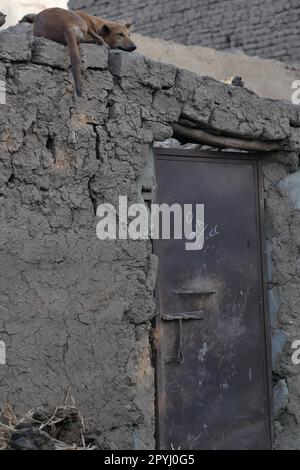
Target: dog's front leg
pixel 99 39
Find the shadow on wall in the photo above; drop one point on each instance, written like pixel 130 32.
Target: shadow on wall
pixel 16 9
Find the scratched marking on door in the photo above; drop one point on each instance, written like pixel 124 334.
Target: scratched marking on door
pixel 202 352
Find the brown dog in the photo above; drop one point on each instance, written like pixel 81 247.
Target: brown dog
pixel 116 35
pixel 71 28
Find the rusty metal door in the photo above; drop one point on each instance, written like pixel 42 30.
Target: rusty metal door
pixel 213 380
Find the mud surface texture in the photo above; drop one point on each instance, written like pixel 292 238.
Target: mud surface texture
pixel 74 310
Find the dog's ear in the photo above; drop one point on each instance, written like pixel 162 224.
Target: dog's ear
pixel 105 29
pixel 128 25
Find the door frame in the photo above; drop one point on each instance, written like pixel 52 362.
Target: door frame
pixel 256 159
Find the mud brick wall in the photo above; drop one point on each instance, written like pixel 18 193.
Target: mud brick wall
pixel 74 310
pixel 267 28
pixel 282 204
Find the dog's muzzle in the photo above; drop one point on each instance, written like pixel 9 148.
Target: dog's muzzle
pixel 130 48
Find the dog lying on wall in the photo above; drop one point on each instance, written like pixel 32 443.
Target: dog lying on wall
pixel 74 27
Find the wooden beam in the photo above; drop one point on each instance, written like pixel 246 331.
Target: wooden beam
pixel 199 136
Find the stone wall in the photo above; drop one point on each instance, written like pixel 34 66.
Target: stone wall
pixel 267 28
pixel 74 310
pixel 282 231
pixel 268 78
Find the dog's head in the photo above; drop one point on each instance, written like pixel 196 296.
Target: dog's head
pixel 117 36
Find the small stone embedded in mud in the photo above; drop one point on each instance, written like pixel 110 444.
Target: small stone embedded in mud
pixel 45 429
pixel 30 438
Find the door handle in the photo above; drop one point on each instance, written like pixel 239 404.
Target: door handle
pixel 180 317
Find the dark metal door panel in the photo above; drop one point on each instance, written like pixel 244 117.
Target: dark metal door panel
pixel 212 375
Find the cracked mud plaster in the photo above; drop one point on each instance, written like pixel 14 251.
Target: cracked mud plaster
pixel 283 230
pixel 74 310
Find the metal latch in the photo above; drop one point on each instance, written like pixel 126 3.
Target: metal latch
pixel 180 317
pixel 194 292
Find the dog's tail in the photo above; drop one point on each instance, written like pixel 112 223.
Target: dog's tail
pixel 75 59
pixel 28 18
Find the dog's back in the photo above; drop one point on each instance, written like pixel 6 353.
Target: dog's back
pixel 54 22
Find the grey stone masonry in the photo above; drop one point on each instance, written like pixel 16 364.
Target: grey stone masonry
pixel 267 28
